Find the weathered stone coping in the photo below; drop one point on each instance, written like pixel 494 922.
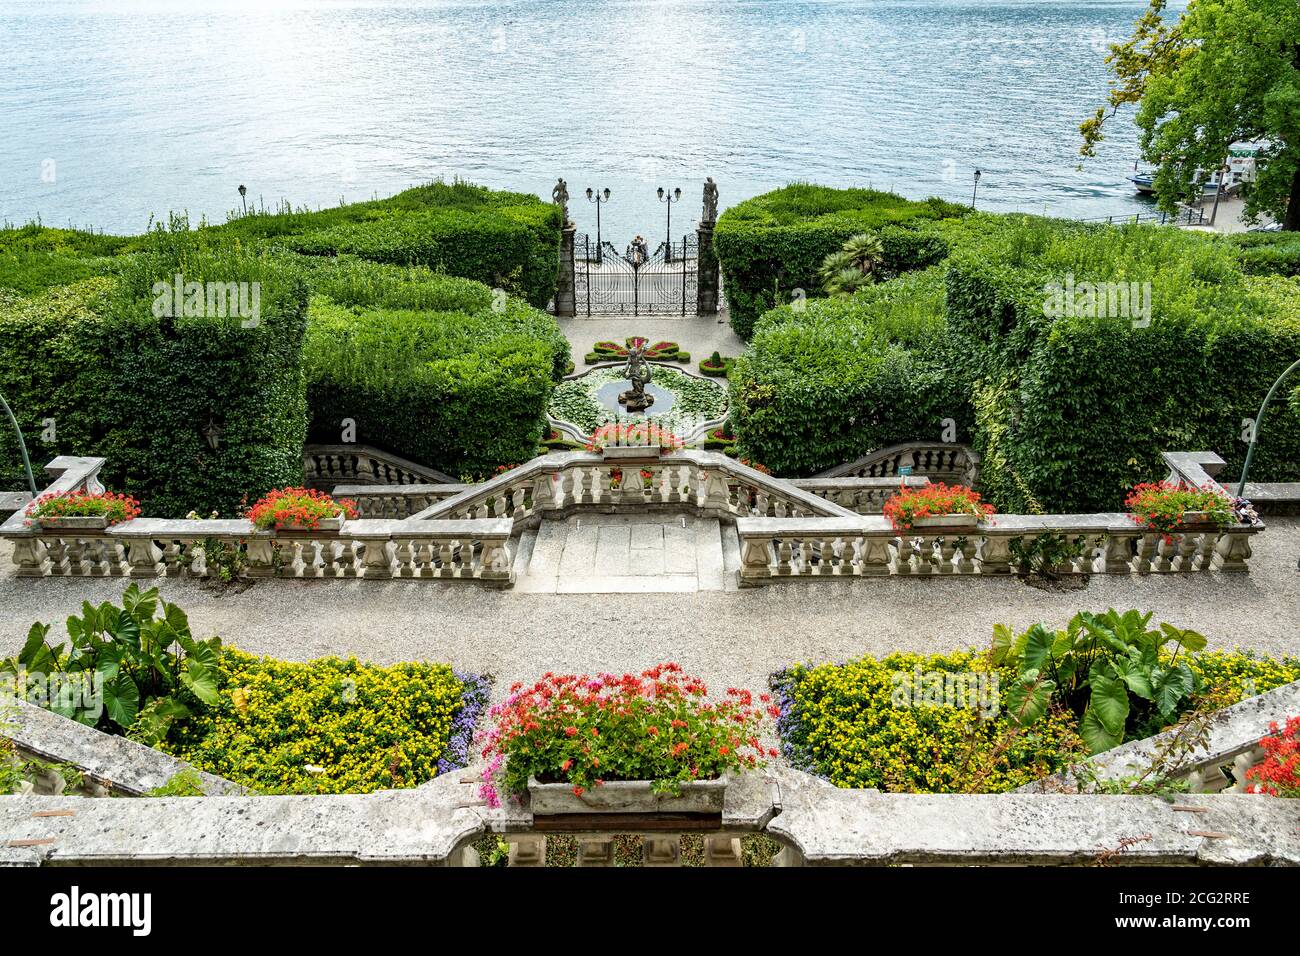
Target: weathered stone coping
pixel 122 766
pixel 1202 467
pixel 1232 741
pixel 820 825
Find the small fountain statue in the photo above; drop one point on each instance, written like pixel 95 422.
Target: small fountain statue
pixel 637 371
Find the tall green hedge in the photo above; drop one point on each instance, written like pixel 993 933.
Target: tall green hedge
pixel 1072 410
pixel 454 376
pixel 506 240
pixel 118 382
pixel 839 378
pixel 772 244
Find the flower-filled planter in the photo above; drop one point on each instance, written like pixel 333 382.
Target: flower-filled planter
pixel 300 509
pixel 716 365
pixel 636 435
pixel 651 743
pixel 81 510
pixel 937 506
pixel 1165 507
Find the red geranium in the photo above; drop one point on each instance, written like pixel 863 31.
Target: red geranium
pixel 298 507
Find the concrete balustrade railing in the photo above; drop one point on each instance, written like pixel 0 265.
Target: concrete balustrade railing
pixel 868 546
pixel 327 466
pixel 399 501
pixel 634 479
pixel 938 461
pixel 477 550
pixel 865 496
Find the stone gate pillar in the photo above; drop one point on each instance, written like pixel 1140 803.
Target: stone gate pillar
pixel 566 305
pixel 708 278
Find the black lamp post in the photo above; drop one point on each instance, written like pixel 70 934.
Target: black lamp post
pixel 243 192
pixel 975 190
pixel 670 198
pixel 599 197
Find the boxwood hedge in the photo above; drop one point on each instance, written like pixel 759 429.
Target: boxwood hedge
pixel 440 370
pixel 837 378
pixel 1074 409
pixel 90 370
pixel 772 244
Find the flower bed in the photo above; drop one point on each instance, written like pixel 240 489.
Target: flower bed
pixel 910 506
pixel 656 352
pixel 1279 773
pixel 332 725
pixel 303 508
pixel 1164 506
pixel 716 365
pixel 850 723
pixel 111 508
pixel 694 400
pixel 584 731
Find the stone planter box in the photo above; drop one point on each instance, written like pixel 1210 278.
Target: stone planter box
pixel 1199 521
pixel 74 523
pixel 631 452
pixel 626 796
pixel 324 524
pixel 933 523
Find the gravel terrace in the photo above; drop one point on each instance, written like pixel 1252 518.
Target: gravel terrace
pixel 730 638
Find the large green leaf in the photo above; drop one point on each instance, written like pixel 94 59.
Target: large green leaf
pixel 202 682
pixel 1135 674
pixel 1188 639
pixel 1036 647
pixel 1027 698
pixel 36 657
pixel 1109 701
pixel 141 605
pixel 1004 640
pixel 1171 686
pixel 122 700
pixel 1095 734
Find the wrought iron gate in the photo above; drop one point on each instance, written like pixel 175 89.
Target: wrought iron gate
pixel 635 282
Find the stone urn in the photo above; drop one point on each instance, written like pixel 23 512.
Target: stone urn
pixel 626 796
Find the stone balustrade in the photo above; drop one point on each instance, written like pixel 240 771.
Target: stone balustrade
pixel 774 549
pixel 327 466
pixel 939 461
pixel 864 496
pixel 634 479
pixel 398 501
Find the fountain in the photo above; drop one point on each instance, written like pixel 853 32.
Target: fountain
pixel 637 371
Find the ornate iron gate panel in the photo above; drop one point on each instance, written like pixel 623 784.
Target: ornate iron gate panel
pixel 635 282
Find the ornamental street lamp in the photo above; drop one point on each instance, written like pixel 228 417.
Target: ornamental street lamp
pixel 670 198
pixel 599 197
pixel 22 446
pixel 243 192
pixel 1259 423
pixel 975 190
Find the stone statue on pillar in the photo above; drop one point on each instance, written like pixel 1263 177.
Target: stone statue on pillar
pixel 710 201
pixel 560 196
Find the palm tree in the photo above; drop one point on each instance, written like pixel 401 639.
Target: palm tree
pixel 854 267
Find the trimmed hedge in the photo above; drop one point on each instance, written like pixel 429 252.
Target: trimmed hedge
pixel 840 721
pixel 509 241
pixel 1074 410
pixel 772 244
pixel 454 384
pixel 1268 253
pixel 139 390
pixel 843 377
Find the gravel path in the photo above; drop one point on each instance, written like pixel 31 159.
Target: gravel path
pixel 729 638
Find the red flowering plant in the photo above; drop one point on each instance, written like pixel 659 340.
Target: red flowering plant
pixel 584 731
pixel 909 504
pixel 1279 773
pixel 298 508
pixel 659 351
pixel 633 433
pixel 82 504
pixel 1161 505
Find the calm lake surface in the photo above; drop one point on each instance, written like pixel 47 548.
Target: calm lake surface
pixel 110 111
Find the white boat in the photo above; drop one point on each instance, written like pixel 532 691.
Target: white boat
pixel 1241 169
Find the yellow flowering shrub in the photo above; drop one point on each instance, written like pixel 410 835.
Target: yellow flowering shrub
pixel 845 722
pixel 331 725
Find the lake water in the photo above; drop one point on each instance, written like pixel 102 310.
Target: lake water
pixel 110 111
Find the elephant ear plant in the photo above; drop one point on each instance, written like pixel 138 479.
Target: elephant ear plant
pixel 130 670
pixel 1119 678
